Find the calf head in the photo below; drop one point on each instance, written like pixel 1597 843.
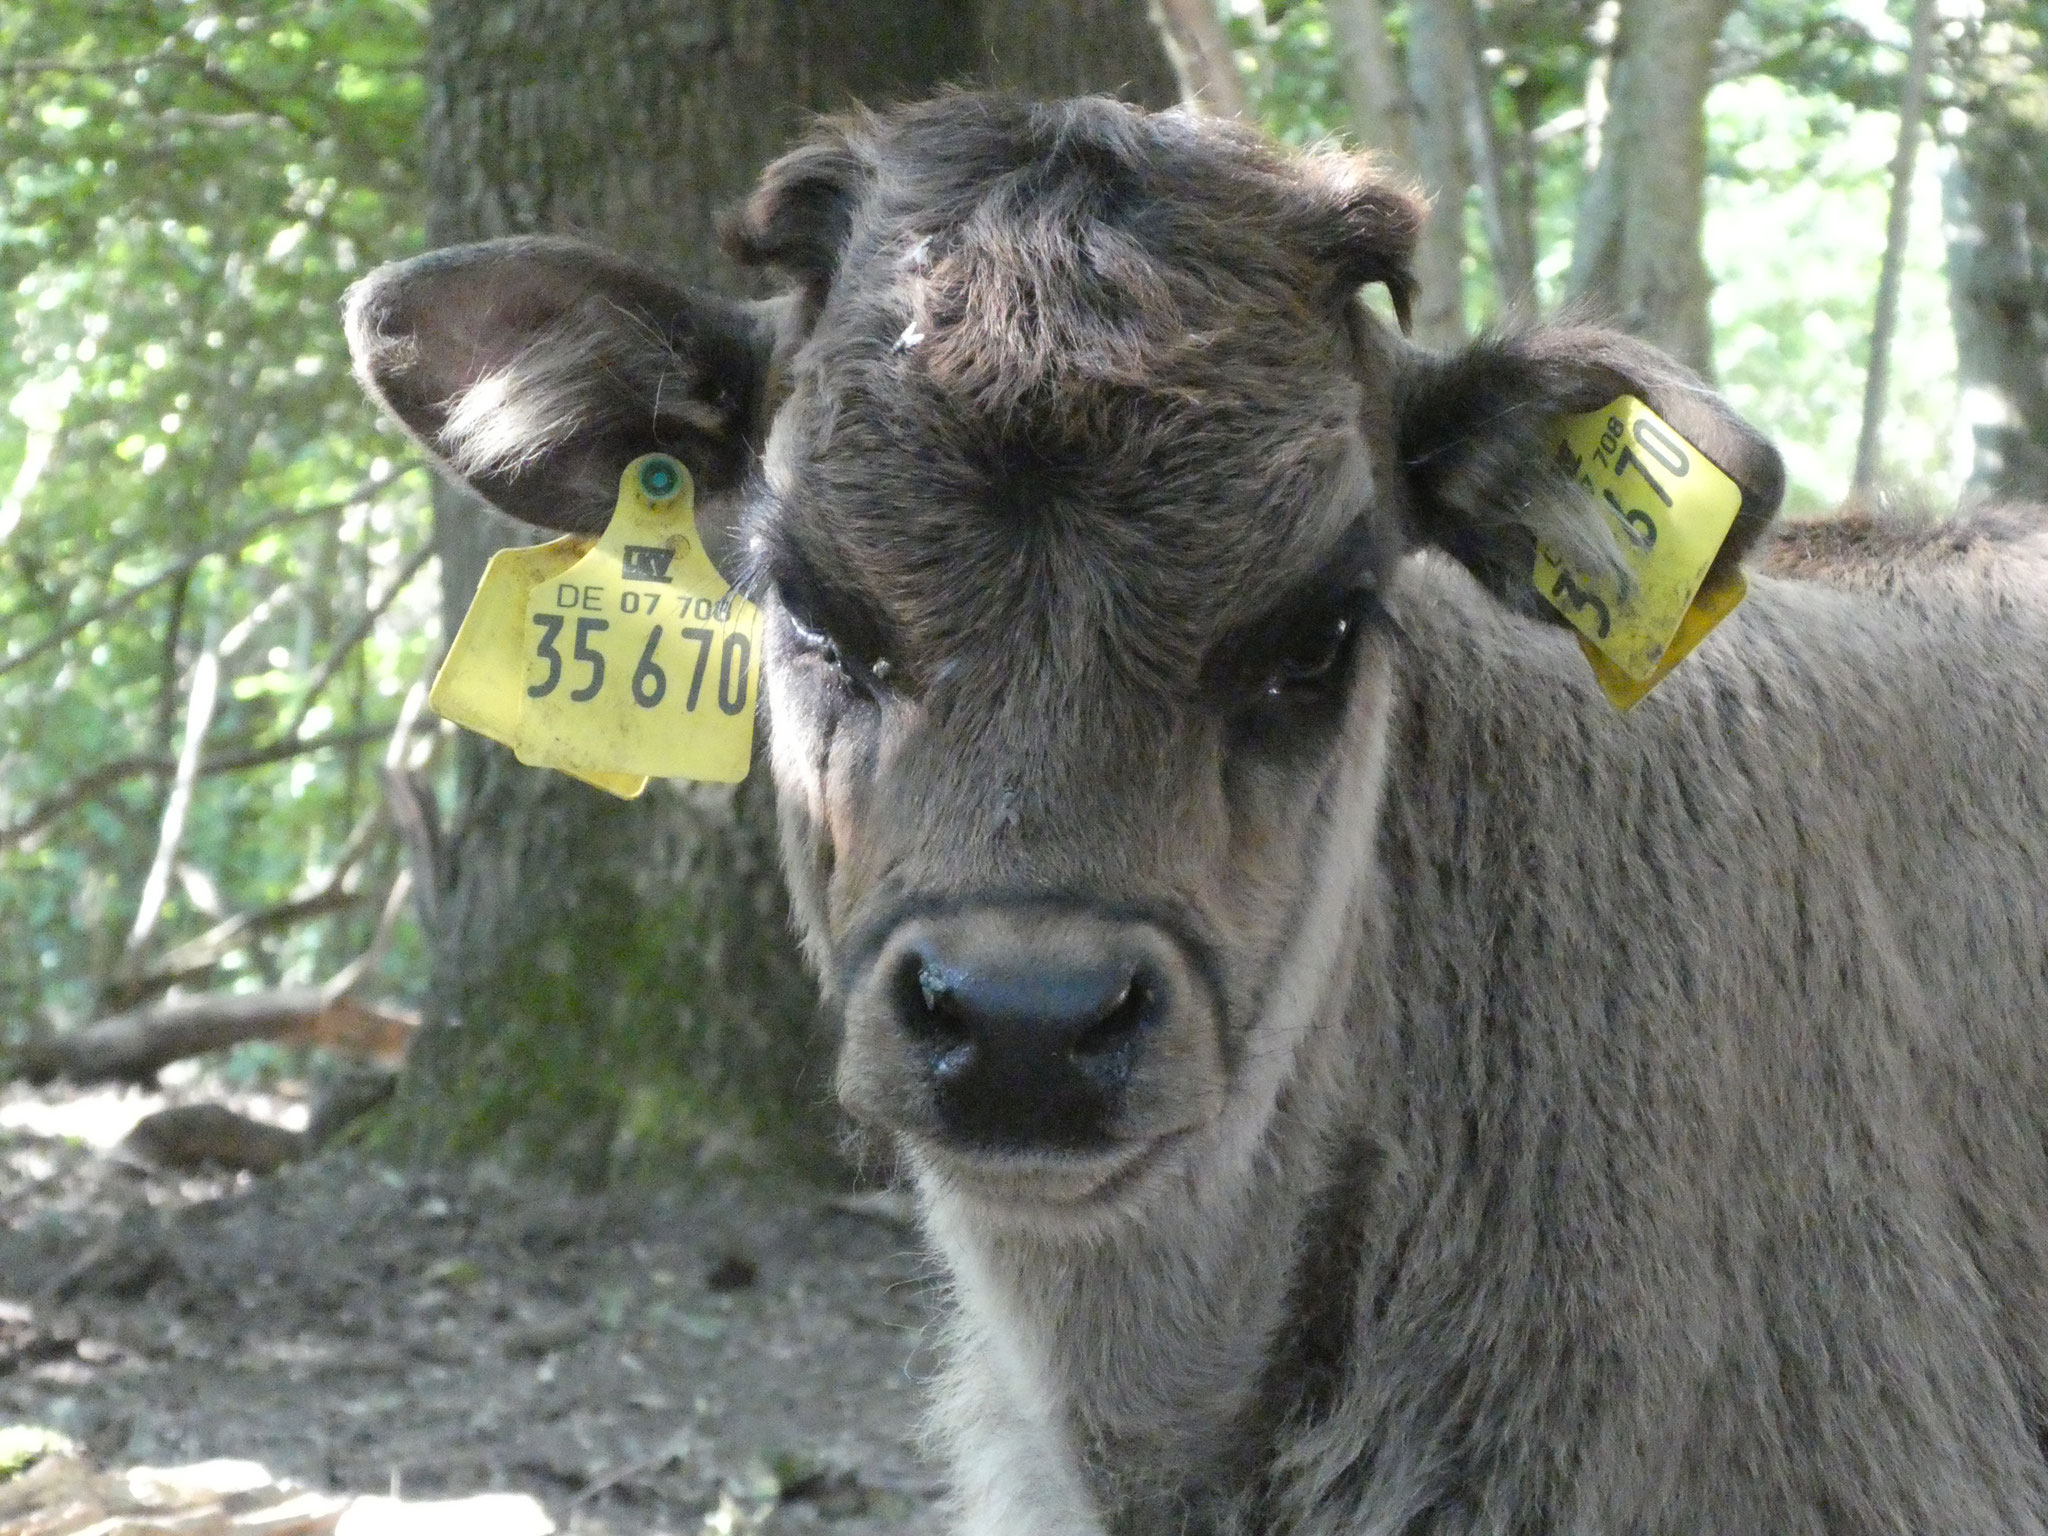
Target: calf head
pixel 1071 470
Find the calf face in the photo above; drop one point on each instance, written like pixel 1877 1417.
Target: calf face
pixel 1071 470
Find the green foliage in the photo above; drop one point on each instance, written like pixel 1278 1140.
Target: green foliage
pixel 1799 187
pixel 188 188
pixel 1801 131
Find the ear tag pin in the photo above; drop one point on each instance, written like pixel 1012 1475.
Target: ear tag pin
pixel 1671 508
pixel 618 660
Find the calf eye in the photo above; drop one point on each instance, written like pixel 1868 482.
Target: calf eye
pixel 811 630
pixel 1308 656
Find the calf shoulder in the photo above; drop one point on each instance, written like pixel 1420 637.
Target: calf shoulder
pixel 1720 1080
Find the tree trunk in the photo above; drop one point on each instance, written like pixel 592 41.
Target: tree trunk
pixel 1996 199
pixel 1885 320
pixel 1440 76
pixel 1383 113
pixel 1637 256
pixel 1503 194
pixel 615 984
pixel 1066 48
pixel 1202 59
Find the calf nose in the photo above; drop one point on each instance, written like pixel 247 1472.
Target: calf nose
pixel 1033 1053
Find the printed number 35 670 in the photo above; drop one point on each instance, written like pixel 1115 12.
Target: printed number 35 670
pixel 650 680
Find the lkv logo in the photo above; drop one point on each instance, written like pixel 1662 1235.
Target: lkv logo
pixel 644 562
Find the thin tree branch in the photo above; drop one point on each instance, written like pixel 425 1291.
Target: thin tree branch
pixel 84 67
pixel 221 81
pixel 413 810
pixel 265 110
pixel 167 664
pixel 333 891
pixel 241 538
pixel 339 653
pixel 245 628
pixel 156 885
pixel 350 976
pixel 120 770
pixel 197 957
pixel 1898 226
pixel 219 122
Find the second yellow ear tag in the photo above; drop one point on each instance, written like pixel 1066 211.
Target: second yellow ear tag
pixel 619 661
pixel 1670 509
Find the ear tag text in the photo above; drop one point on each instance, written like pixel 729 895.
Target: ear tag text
pixel 618 660
pixel 1670 508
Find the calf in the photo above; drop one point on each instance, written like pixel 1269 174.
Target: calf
pixel 1357 1080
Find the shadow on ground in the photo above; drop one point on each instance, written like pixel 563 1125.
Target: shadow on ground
pixel 638 1362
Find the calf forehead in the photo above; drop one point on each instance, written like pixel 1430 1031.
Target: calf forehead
pixel 1078 373
pixel 1134 543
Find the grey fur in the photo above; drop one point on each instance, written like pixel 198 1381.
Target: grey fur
pixel 1578 1122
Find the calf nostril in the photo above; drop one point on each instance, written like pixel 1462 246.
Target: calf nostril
pixel 1105 1051
pixel 1119 1023
pixel 927 1002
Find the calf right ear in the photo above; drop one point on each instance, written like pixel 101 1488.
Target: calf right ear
pixel 535 369
pixel 1478 441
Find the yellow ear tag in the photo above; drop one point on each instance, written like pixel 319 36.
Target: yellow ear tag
pixel 1671 508
pixel 482 683
pixel 619 661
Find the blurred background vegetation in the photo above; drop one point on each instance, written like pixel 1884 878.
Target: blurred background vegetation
pixel 223 582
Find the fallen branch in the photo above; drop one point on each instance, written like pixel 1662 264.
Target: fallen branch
pixel 195 957
pixel 134 1046
pixel 189 1137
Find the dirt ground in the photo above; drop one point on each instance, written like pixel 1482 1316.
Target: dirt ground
pixel 626 1358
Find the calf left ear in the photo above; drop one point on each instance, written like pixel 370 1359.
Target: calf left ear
pixel 535 370
pixel 1478 433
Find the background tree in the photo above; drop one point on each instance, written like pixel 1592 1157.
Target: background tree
pixel 1637 254
pixel 1884 322
pixel 1997 202
pixel 613 979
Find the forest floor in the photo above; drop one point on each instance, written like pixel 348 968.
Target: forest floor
pixel 639 1361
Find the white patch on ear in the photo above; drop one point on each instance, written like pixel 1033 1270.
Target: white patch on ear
pixel 1569 522
pixel 597 359
pixel 510 419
